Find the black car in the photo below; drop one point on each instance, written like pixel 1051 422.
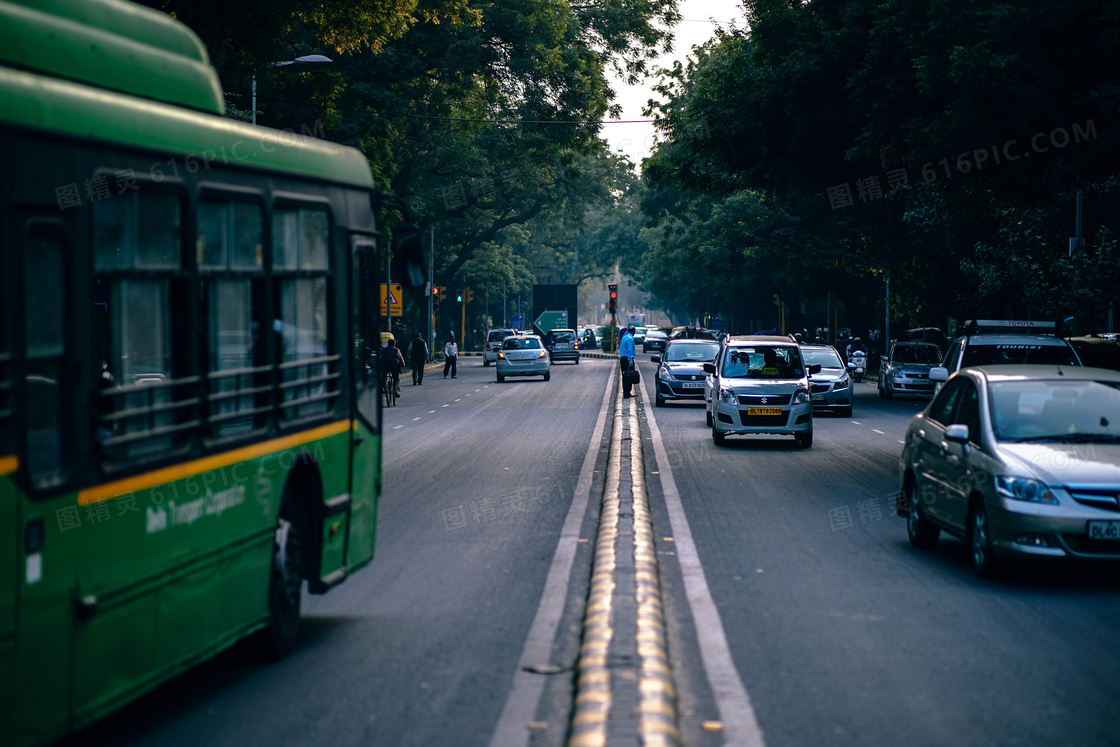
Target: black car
pixel 655 340
pixel 681 373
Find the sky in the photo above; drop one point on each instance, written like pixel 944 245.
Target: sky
pixel 635 140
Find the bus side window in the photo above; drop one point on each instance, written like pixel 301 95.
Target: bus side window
pixel 45 387
pixel 231 269
pixel 300 241
pixel 137 247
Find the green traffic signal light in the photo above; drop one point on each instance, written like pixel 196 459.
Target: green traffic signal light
pixel 459 298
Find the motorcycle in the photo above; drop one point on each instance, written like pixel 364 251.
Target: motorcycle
pixel 857 364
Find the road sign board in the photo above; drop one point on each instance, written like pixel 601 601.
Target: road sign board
pixel 550 320
pixel 391 295
pixel 518 321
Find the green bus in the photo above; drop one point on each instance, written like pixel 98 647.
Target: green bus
pixel 189 425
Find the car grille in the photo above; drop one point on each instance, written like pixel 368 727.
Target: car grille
pixel 1081 543
pixel 764 400
pixel 1106 499
pixel 757 421
pixel 916 375
pixel 819 388
pixel 689 377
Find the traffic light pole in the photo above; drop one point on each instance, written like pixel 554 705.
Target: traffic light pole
pixel 431 298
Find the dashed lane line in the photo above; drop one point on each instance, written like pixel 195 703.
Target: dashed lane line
pixel 882 433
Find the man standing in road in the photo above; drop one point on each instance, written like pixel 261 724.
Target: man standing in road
pixel 417 355
pixel 450 357
pixel 626 355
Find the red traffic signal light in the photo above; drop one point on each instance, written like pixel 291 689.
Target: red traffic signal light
pixel 614 291
pixel 613 305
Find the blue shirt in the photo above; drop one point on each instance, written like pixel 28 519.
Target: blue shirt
pixel 626 347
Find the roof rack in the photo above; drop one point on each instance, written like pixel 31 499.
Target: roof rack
pixel 978 326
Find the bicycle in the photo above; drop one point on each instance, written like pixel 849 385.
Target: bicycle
pixel 390 390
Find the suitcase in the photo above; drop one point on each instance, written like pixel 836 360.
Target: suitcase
pixel 631 376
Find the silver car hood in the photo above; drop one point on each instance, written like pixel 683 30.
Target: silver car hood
pixel 769 386
pixel 1066 464
pixel 830 374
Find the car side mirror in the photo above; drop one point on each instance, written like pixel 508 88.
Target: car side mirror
pixel 939 373
pixel 814 368
pixel 957 433
pixel 655 358
pixel 709 368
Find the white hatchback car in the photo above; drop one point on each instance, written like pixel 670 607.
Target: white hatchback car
pixel 523 355
pixel 761 385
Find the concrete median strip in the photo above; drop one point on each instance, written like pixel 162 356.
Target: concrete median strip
pixel 624 686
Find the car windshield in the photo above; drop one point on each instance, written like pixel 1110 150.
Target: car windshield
pixel 1066 411
pixel 762 363
pixel 699 353
pixel 521 343
pixel 827 358
pixel 917 354
pixel 1017 354
pixel 497 335
pixel 655 334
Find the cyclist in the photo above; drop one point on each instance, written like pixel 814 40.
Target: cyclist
pixel 392 361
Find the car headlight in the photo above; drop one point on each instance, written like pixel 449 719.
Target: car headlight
pixel 664 375
pixel 1025 489
pixel 801 397
pixel 727 396
pixel 843 383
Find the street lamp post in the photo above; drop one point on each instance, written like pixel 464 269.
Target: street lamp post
pixel 305 61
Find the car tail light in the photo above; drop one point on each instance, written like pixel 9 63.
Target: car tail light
pixel 544 354
pixel 501 355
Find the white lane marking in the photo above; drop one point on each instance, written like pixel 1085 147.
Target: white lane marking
pixel 857 422
pixel 465 395
pixel 397 426
pixel 882 433
pixel 525 694
pixel 445 405
pixel 431 411
pixel 478 390
pixel 902 442
pixel 740 725
pixel 458 400
pixel 414 419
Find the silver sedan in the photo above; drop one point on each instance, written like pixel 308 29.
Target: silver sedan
pixel 1020 462
pixel 524 355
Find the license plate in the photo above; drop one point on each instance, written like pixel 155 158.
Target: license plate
pixel 818 398
pixel 692 385
pixel 1104 530
pixel 764 411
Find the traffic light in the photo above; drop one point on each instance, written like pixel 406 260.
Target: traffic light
pixel 470 295
pixel 437 294
pixel 408 255
pixel 613 305
pixel 459 298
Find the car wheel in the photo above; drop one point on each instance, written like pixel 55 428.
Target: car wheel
pixel 805 439
pixel 577 361
pixel 847 412
pixel 485 363
pixel 547 375
pixel 887 394
pixel 984 561
pixel 658 401
pixel 501 378
pixel 718 437
pixel 882 395
pixel 708 416
pixel 922 532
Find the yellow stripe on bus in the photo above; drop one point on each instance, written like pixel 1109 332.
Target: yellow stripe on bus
pixel 8 465
pixel 180 471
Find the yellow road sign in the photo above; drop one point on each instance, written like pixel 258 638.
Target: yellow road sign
pixel 391 295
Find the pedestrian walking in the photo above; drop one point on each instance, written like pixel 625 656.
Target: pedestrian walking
pixel 450 357
pixel 417 357
pixel 626 355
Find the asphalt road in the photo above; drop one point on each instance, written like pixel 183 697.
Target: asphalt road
pixel 839 630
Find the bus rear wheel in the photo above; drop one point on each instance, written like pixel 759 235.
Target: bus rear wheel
pixel 285 586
